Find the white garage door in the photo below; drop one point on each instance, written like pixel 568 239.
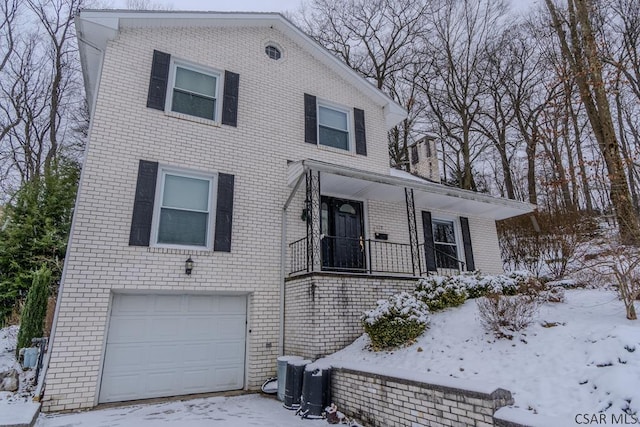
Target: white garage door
pixel 168 345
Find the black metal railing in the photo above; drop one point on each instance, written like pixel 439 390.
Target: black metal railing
pixel 446 264
pixel 298 256
pixel 370 257
pixel 390 257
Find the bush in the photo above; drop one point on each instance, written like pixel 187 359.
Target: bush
pixel 395 321
pixel 504 315
pixel 552 294
pixel 440 292
pixel 35 308
pixel 547 246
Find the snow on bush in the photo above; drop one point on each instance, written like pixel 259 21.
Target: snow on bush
pixel 503 315
pixel 396 321
pixel 440 292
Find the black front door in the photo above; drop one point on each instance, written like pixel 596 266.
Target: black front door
pixel 342 230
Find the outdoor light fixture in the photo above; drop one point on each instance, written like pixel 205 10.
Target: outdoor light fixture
pixel 188 266
pixel 306 210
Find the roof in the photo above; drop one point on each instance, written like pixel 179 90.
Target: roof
pixel 361 184
pixel 96 27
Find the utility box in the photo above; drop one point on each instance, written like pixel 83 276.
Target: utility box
pixel 316 391
pixel 30 358
pixel 282 373
pixel 293 385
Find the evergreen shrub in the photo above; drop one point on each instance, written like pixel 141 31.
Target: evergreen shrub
pixel 396 321
pixel 35 308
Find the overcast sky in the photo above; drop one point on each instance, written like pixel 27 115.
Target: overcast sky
pixel 259 5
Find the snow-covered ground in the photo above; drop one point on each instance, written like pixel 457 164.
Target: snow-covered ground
pixel 580 357
pixel 239 411
pixel 8 338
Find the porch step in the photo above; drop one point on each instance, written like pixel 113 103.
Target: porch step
pixel 23 414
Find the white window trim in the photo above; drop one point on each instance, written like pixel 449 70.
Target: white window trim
pixel 155 223
pixel 218 74
pixel 456 233
pixel 350 129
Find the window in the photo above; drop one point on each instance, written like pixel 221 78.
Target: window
pixel 444 240
pixel 273 52
pixel 194 91
pixel 333 127
pixel 183 215
pixel 414 154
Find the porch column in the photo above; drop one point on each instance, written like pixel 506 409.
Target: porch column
pixel 313 221
pixel 413 231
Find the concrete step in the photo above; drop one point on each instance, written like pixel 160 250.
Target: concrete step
pixel 19 414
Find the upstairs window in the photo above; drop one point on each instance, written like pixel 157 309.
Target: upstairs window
pixel 194 91
pixel 184 211
pixel 273 52
pixel 333 127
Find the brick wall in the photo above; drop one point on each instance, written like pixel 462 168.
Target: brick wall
pixel 322 311
pixel 381 399
pixel 270 132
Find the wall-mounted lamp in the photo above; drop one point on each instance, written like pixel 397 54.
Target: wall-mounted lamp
pixel 188 266
pixel 306 210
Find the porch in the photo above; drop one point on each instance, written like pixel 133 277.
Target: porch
pixel 351 237
pixel 343 220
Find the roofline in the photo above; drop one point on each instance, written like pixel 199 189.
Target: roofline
pixel 110 22
pixel 426 186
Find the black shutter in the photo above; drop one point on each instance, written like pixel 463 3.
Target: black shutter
pixel 224 213
pixel 466 241
pixel 143 204
pixel 158 82
pixel 310 119
pixel 361 136
pixel 429 251
pixel 230 99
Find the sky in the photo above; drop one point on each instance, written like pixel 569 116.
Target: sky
pixel 261 5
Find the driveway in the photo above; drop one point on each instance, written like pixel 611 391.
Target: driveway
pixel 236 411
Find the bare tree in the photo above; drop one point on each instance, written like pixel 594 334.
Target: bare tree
pixel 579 46
pixel 40 92
pixel 497 113
pixel 453 82
pixel 379 40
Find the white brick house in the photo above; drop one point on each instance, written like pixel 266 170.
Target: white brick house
pixel 234 141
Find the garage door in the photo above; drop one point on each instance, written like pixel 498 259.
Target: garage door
pixel 168 345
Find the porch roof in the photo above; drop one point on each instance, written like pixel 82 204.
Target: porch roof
pixel 359 184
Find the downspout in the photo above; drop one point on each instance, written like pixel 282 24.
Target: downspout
pixel 45 366
pixel 283 256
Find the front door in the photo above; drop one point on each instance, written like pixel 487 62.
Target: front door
pixel 342 230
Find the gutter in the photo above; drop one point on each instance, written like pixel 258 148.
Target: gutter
pixel 425 186
pixel 283 257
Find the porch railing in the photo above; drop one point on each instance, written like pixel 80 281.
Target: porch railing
pixel 368 256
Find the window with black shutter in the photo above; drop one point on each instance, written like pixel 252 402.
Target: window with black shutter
pixel 193 90
pixel 334 126
pixel 173 208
